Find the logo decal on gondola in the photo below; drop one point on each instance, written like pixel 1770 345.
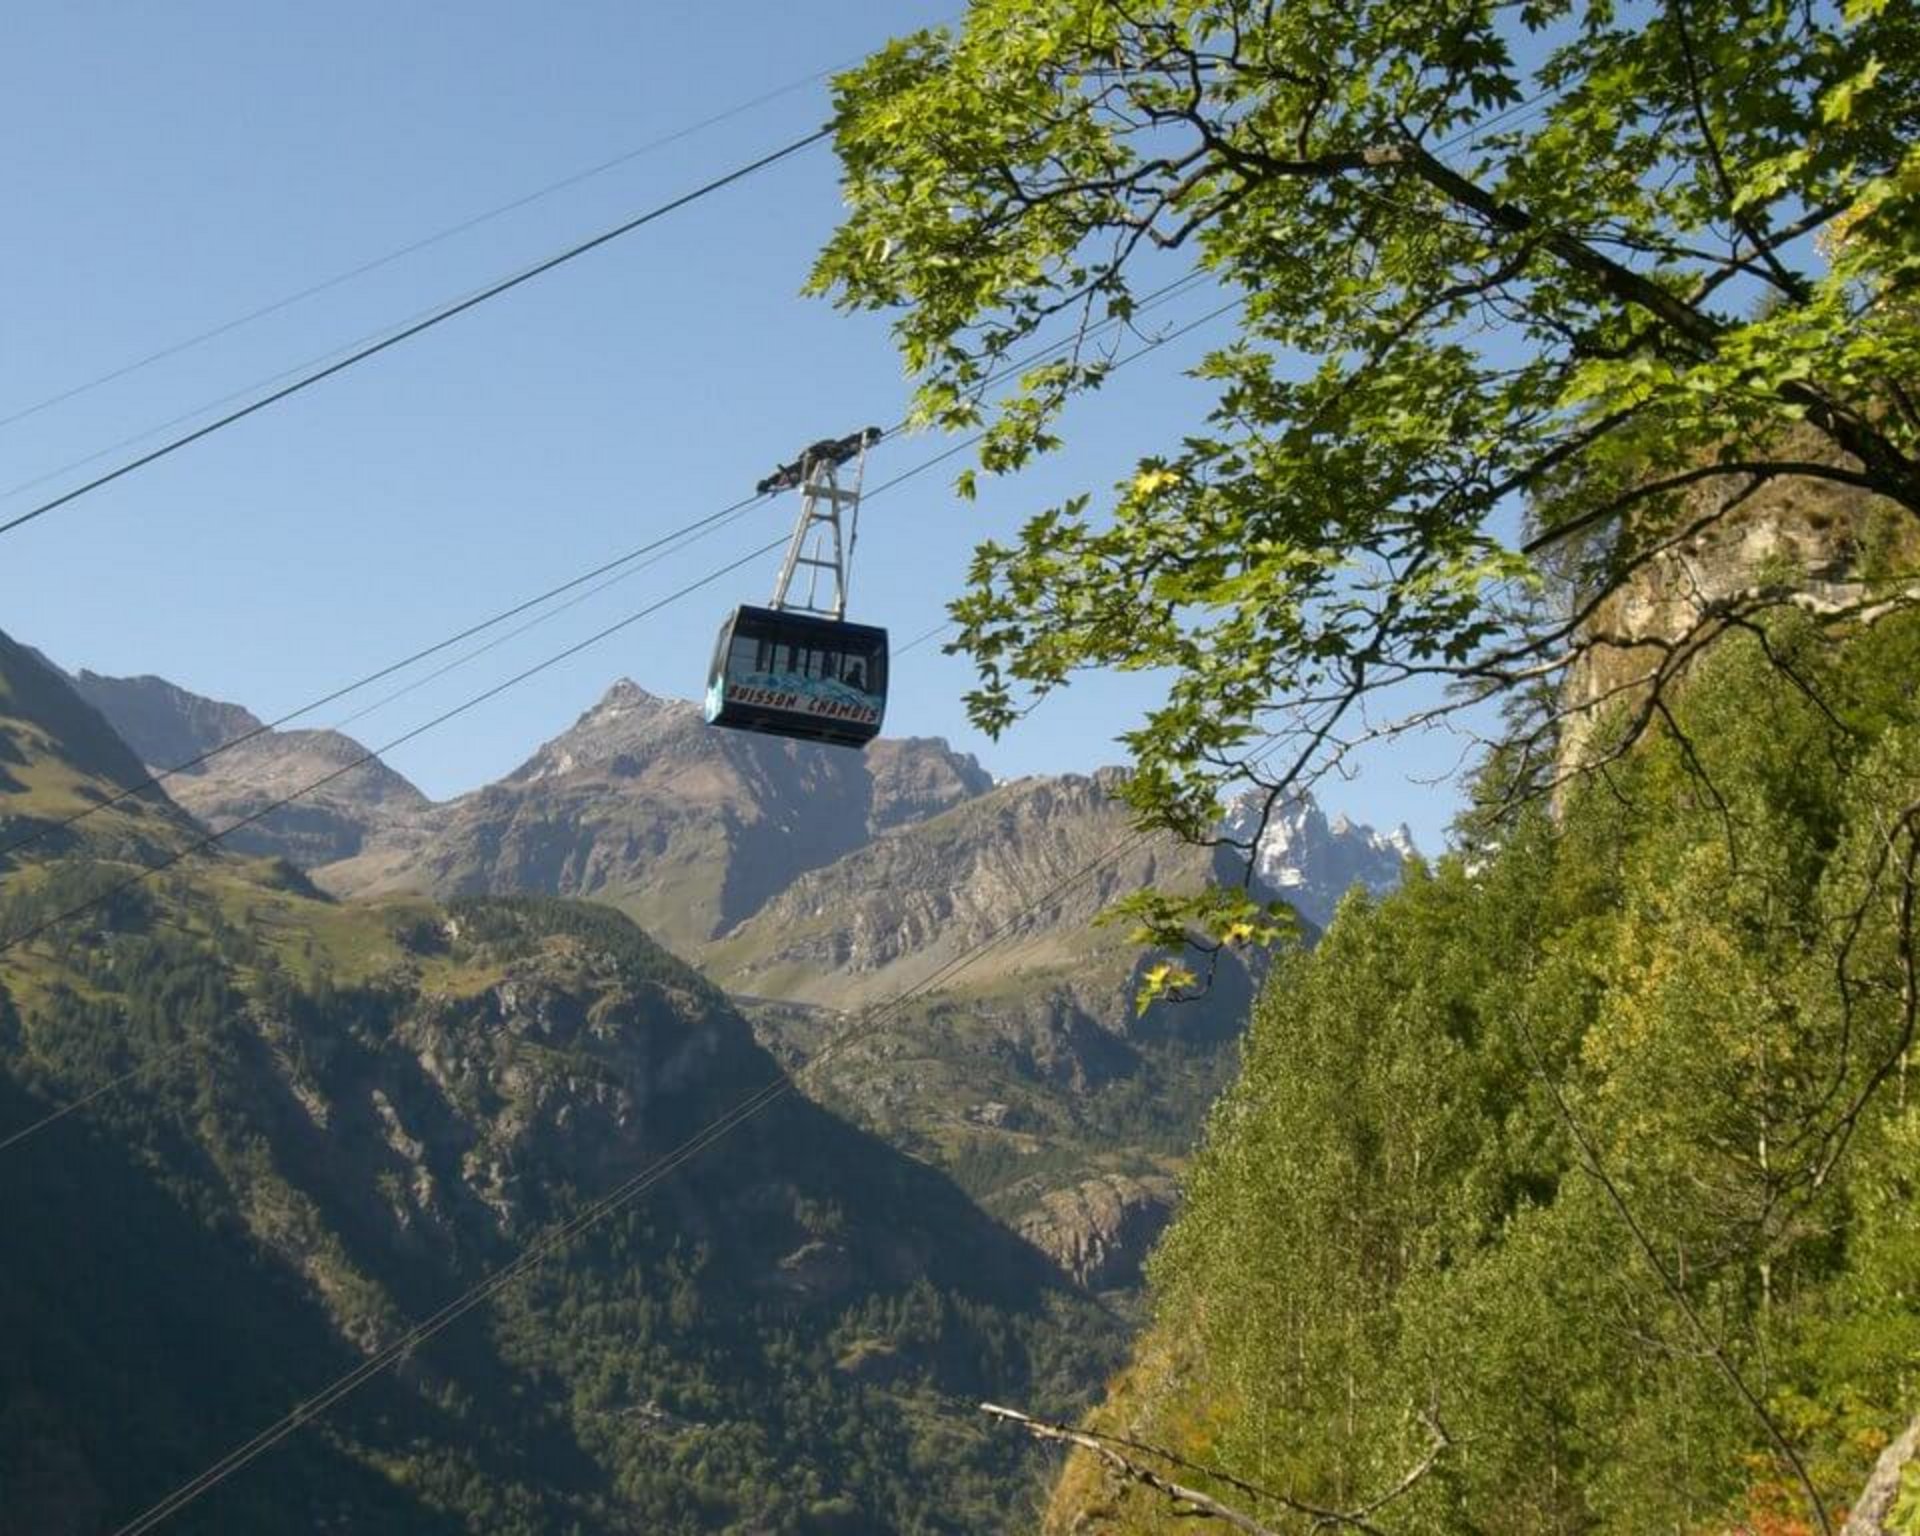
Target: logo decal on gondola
pixel 817 697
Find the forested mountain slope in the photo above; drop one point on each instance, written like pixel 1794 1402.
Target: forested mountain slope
pixel 348 1114
pixel 832 880
pixel 1576 1186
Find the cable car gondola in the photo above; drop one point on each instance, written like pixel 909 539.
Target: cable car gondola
pixel 795 668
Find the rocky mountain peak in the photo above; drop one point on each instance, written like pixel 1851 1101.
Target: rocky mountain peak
pixel 163 722
pixel 625 727
pixel 689 829
pixel 627 701
pixel 1312 862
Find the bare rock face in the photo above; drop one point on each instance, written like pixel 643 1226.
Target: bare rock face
pixel 361 798
pixel 353 798
pixel 1808 541
pixel 641 804
pixel 900 906
pixel 816 1270
pixel 1100 1231
pixel 914 779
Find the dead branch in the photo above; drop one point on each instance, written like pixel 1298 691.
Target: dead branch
pixel 1191 1500
pixel 1111 1448
pixel 1870 1510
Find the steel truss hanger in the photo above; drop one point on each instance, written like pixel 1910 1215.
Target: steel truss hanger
pixel 827 500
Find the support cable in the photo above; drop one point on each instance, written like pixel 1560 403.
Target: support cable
pixel 407 333
pixel 414 247
pixel 691 531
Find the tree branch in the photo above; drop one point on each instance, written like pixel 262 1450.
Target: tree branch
pixel 1109 1449
pixel 1870 1510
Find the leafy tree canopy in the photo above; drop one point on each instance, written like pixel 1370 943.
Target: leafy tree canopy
pixel 1570 257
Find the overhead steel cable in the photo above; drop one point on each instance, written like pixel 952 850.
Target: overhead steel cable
pixel 560 1236
pixel 1526 105
pixel 206 407
pixel 214 838
pixel 134 791
pixel 438 317
pixel 1146 303
pixel 698 527
pixel 414 247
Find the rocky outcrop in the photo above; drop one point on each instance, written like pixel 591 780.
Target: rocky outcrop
pixel 1100 1230
pixel 237 790
pixel 641 804
pixel 1813 544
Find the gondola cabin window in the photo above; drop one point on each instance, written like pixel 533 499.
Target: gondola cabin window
pixel 794 674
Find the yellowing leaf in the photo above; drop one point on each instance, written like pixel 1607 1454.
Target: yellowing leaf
pixel 1838 106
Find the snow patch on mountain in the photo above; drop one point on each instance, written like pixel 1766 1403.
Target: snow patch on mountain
pixel 1311 862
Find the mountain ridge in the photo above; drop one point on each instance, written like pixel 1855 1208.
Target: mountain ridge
pixel 812 882
pixel 381 833
pixel 341 1114
pixel 640 803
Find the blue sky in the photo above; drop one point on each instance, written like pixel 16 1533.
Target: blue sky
pixel 170 168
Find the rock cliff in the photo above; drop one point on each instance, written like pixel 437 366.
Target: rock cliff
pixel 640 804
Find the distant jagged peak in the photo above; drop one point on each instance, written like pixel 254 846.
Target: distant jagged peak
pixel 1312 861
pixel 626 696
